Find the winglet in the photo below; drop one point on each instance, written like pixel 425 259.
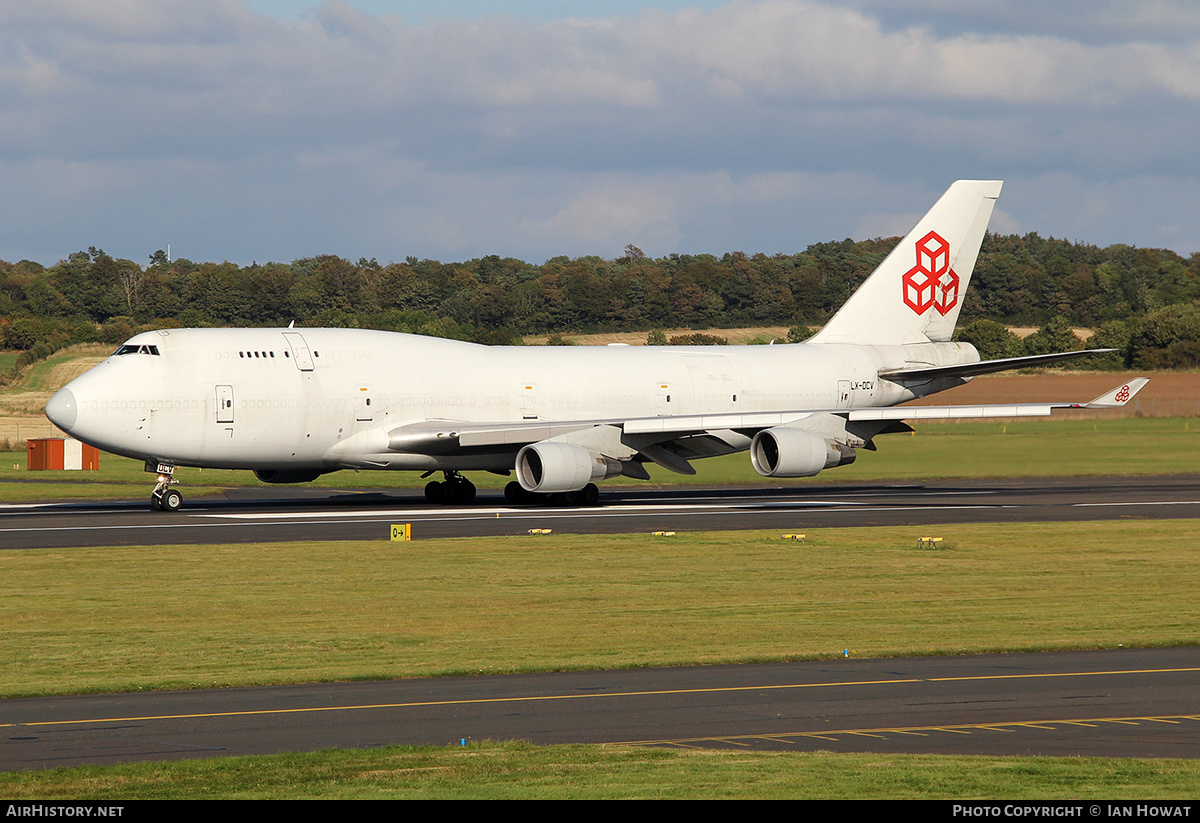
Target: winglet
pixel 1119 396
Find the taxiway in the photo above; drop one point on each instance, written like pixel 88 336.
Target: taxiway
pixel 1098 703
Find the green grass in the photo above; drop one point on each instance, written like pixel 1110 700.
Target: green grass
pixel 37 376
pixel 523 771
pixel 1032 448
pixel 126 619
pixel 1114 446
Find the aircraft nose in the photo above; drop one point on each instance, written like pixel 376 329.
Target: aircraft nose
pixel 62 409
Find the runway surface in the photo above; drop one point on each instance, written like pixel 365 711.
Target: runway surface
pixel 278 514
pixel 1100 703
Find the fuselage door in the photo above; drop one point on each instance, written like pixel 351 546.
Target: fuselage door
pixel 224 404
pixel 363 404
pixel 300 352
pixel 843 394
pixel 527 401
pixel 662 398
pixel 714 387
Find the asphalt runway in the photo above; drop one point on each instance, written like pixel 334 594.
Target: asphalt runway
pixel 271 514
pixel 1142 703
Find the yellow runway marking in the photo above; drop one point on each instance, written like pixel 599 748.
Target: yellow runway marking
pixel 595 696
pixel 966 728
pixel 1059 674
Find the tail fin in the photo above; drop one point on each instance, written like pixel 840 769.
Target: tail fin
pixel 916 293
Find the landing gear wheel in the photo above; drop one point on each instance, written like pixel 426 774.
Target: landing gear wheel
pixel 171 501
pixel 167 500
pixel 434 493
pixel 513 493
pixel 590 495
pixel 455 489
pixel 465 493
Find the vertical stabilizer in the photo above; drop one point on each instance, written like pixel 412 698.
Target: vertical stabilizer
pixel 916 293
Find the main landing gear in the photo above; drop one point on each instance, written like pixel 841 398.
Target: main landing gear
pixel 165 498
pixel 589 495
pixel 455 490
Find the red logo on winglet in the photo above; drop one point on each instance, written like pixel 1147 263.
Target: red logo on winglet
pixel 931 283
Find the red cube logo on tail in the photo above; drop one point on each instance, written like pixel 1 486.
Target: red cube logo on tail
pixel 931 283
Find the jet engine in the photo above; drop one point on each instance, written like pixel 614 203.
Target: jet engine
pixel 790 452
pixel 561 467
pixel 287 476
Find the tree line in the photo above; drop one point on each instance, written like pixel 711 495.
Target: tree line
pixel 1144 302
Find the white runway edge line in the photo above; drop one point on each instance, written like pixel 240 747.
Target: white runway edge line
pixel 1145 503
pixel 467 514
pixel 598 512
pixel 93 506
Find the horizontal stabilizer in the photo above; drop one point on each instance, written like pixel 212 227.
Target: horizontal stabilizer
pixel 985 366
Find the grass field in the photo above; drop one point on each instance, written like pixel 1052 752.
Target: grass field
pixel 127 619
pixel 522 771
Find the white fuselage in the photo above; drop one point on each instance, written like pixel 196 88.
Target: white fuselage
pixel 326 399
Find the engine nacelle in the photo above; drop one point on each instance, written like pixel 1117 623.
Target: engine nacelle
pixel 790 452
pixel 287 476
pixel 561 467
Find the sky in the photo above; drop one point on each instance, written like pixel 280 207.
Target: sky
pixel 256 130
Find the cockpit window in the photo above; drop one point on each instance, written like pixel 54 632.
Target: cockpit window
pixel 131 349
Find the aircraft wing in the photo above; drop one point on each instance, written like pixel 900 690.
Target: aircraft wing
pixel 435 437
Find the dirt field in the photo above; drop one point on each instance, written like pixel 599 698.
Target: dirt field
pixel 1024 331
pixel 1169 394
pixel 21 415
pixel 638 338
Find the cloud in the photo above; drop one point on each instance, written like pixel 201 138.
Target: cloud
pixel 259 137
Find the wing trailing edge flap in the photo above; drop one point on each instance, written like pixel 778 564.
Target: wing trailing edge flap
pixel 440 436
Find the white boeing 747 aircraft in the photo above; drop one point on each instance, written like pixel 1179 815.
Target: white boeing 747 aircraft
pixel 292 404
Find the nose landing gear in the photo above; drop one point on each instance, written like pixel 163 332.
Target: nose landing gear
pixel 164 498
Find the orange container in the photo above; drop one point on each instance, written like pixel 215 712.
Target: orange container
pixel 55 453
